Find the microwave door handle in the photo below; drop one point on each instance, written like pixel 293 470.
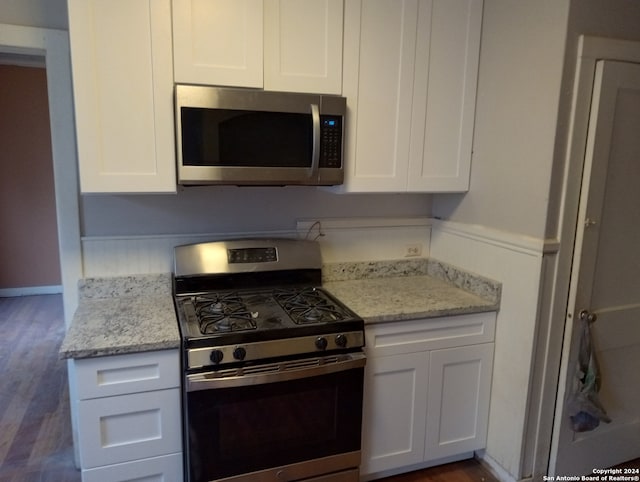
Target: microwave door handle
pixel 315 155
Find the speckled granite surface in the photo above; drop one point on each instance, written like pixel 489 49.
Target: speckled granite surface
pixel 122 315
pixel 135 313
pixel 374 269
pixel 138 285
pixel 405 290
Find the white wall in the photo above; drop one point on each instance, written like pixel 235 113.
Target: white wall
pixel 230 209
pixel 525 86
pixel 499 227
pixel 520 184
pixel 516 262
pixel 618 19
pixel 521 61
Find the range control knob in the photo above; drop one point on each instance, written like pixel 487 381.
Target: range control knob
pixel 239 353
pixel 341 340
pixel 321 343
pixel 216 356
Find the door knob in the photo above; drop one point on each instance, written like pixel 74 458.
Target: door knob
pixel 589 316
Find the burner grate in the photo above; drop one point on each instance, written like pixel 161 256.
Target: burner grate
pixel 219 313
pixel 308 305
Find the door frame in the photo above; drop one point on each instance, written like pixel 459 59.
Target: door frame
pixel 554 333
pixel 54 46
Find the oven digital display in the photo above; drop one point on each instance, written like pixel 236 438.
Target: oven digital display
pixel 252 255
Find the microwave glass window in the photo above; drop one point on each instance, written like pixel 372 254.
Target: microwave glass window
pixel 220 137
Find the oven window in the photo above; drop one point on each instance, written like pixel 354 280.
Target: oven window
pixel 244 429
pixel 238 138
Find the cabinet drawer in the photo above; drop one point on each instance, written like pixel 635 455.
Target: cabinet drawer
pixel 429 334
pixel 131 373
pixel 129 427
pixel 155 469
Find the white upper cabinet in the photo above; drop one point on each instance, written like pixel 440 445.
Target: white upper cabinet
pixel 123 94
pixel 444 95
pixel 218 42
pixel 303 46
pixel 281 45
pixel 410 74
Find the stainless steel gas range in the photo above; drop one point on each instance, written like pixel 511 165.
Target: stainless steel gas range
pixel 273 364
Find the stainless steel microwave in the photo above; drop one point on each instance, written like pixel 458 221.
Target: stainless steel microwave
pixel 254 137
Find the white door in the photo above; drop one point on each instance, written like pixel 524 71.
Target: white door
pixel 606 274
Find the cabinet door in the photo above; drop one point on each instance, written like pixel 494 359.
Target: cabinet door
pixel 458 400
pixel 395 399
pixel 379 53
pixel 303 46
pixel 444 95
pixel 410 74
pixel 123 93
pixel 218 42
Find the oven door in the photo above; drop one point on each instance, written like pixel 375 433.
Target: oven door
pixel 282 421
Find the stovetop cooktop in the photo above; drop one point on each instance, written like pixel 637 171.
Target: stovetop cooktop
pixel 229 317
pixel 242 301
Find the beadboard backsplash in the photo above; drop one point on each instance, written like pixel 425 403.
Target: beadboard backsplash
pixel 341 240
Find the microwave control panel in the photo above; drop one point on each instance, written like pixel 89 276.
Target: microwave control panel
pixel 330 141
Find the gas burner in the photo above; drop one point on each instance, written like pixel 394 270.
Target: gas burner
pixel 308 305
pixel 221 313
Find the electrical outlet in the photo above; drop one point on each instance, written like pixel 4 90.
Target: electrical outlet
pixel 412 250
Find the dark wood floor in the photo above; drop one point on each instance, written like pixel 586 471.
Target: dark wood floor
pixel 35 428
pixel 465 471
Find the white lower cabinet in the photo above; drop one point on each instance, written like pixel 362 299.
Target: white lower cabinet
pixel 128 417
pixel 427 391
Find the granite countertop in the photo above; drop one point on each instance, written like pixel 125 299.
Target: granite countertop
pixel 122 315
pixel 406 290
pixel 133 314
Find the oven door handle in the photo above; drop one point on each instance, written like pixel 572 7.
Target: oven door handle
pixel 275 372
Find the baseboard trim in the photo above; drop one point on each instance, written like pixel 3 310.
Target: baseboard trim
pixel 495 468
pixel 30 291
